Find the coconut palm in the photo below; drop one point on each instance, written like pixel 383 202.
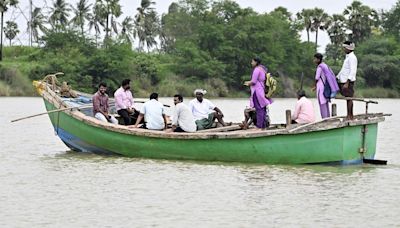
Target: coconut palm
pixel 152 29
pixel 320 21
pixel 11 30
pixel 127 30
pixel 305 18
pixel 37 23
pixel 4 5
pixel 59 14
pixel 82 14
pixel 96 19
pixel 146 24
pixel 109 10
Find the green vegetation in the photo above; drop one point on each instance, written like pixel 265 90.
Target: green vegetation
pixel 198 43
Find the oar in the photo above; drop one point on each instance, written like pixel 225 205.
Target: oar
pixel 56 110
pixel 63 109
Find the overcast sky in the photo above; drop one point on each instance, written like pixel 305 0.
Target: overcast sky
pixel 129 9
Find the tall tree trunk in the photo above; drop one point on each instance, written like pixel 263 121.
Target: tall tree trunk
pixel 316 39
pixel 1 37
pixel 308 35
pixel 108 12
pixel 82 29
pixel 10 42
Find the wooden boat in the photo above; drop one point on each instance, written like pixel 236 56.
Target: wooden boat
pixel 334 140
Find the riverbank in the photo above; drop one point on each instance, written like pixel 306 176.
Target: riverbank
pixel 21 65
pixel 13 82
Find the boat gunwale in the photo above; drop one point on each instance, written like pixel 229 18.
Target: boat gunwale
pixel 53 98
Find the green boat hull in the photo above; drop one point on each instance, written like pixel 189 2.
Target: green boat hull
pixel 324 146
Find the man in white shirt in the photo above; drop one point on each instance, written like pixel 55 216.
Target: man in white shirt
pixel 182 120
pixel 153 113
pixel 347 75
pixel 203 111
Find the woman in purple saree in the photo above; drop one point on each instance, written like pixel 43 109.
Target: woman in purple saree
pixel 324 75
pixel 257 97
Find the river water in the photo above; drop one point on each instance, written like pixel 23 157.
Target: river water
pixel 43 184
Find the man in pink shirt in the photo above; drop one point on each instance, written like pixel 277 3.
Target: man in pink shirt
pixel 304 111
pixel 124 103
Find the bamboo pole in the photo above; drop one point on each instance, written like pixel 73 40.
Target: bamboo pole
pixel 63 109
pixel 356 99
pixel 52 111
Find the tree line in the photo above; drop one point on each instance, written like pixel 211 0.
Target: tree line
pixel 203 42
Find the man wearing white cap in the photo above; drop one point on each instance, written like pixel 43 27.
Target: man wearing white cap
pixel 203 111
pixel 347 75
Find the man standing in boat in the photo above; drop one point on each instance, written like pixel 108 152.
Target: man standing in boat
pixel 124 103
pixel 100 105
pixel 182 120
pixel 347 75
pixel 202 110
pixel 153 113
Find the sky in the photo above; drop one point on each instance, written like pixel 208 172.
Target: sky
pixel 261 6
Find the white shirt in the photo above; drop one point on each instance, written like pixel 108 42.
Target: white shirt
pixel 153 114
pixel 201 110
pixel 349 68
pixel 183 118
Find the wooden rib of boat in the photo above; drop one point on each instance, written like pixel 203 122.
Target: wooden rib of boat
pixel 335 140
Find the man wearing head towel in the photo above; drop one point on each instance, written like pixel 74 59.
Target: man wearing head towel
pixel 347 76
pixel 203 111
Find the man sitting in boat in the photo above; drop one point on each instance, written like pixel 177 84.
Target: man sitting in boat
pixel 153 113
pixel 304 111
pixel 203 111
pixel 182 120
pixel 100 105
pixel 124 103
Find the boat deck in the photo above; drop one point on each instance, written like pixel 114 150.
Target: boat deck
pixel 80 111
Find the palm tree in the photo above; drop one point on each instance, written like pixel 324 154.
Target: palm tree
pixel 96 19
pixel 360 19
pixel 109 10
pixel 37 23
pixel 59 14
pixel 11 30
pixel 4 4
pixel 337 34
pixel 127 30
pixel 305 17
pixel 82 14
pixel 152 26
pixel 146 24
pixel 320 22
pixel 337 29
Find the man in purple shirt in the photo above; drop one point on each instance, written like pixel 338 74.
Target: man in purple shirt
pixel 124 103
pixel 100 105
